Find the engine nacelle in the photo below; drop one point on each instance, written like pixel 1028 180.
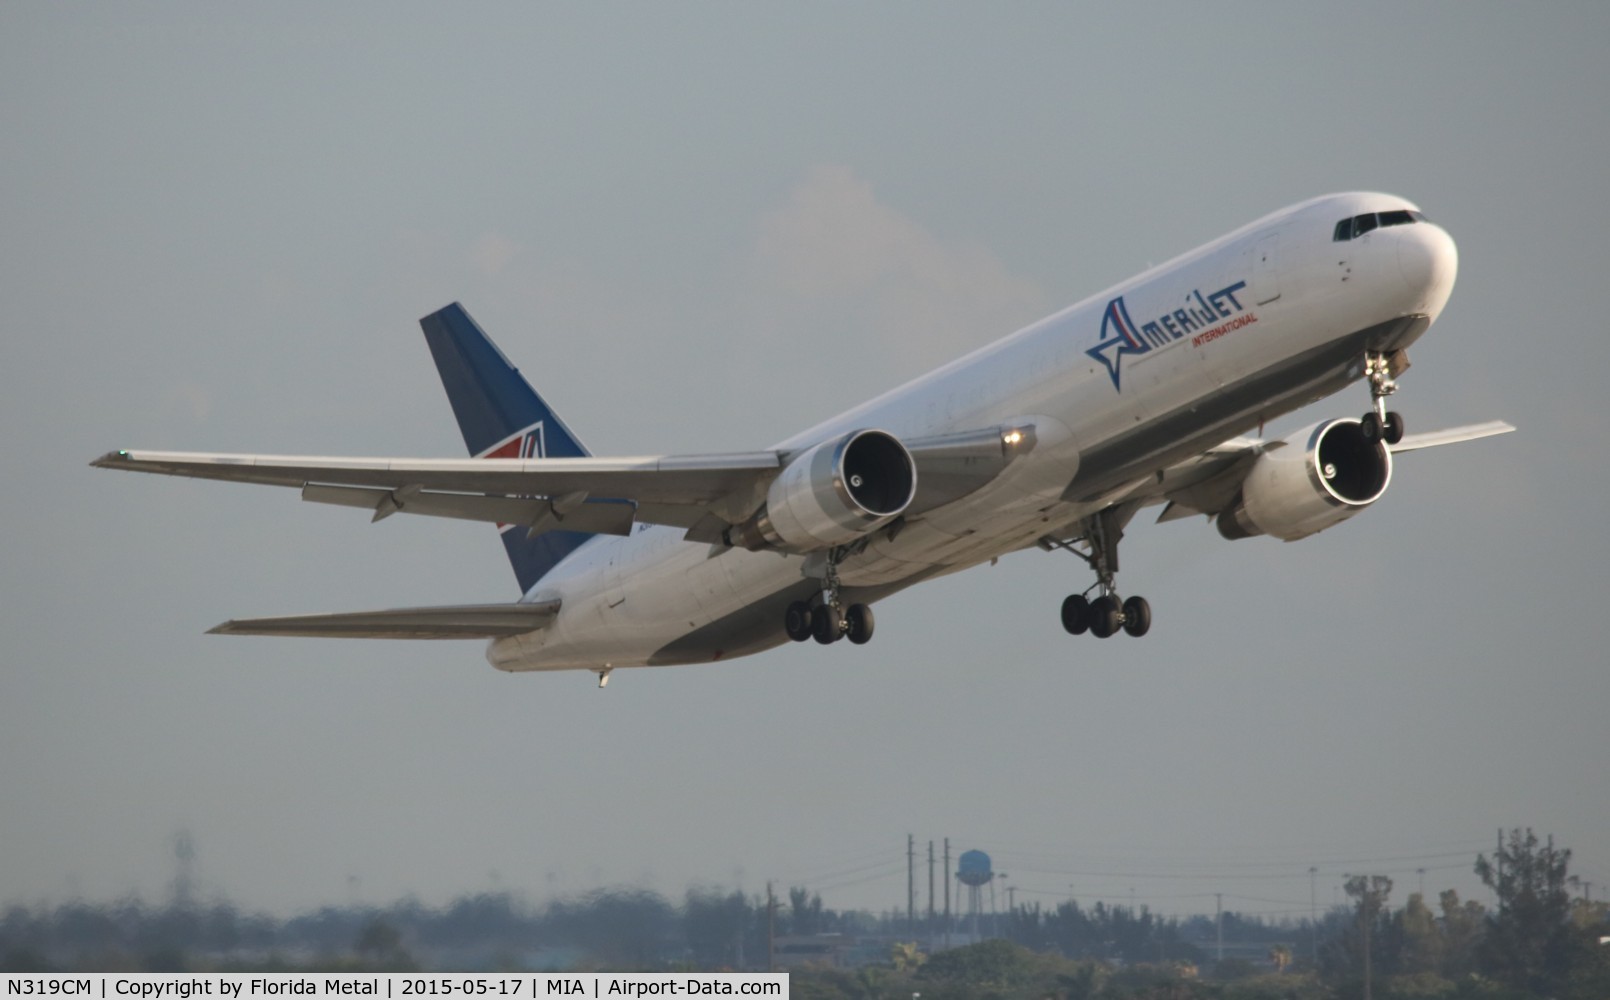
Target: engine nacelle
pixel 833 493
pixel 1320 476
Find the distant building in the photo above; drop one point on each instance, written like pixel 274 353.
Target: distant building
pixel 823 951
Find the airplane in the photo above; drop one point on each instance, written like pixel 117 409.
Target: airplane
pixel 1054 437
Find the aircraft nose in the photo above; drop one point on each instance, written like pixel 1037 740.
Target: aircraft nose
pixel 1429 262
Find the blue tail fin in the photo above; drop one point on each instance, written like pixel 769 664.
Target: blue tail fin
pixel 501 416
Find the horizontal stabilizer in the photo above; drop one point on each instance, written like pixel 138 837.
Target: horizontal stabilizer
pixel 462 621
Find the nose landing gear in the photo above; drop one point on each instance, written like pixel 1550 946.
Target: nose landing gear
pixel 1108 613
pixel 1380 423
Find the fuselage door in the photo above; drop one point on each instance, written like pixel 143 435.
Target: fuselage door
pixel 1265 270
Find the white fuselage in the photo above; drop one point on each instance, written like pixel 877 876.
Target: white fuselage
pixel 1233 333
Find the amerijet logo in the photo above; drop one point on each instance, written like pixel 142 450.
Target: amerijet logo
pixel 1201 318
pixel 523 444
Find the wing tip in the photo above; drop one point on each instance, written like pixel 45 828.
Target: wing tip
pixel 112 459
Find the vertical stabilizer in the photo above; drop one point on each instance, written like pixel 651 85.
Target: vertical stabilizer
pixel 501 416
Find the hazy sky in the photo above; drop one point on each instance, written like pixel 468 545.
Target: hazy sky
pixel 704 227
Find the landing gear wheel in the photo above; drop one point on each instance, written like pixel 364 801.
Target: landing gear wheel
pixel 797 621
pixel 1076 614
pixel 859 622
pixel 1370 426
pixel 1104 617
pixel 1392 433
pixel 828 625
pixel 1137 616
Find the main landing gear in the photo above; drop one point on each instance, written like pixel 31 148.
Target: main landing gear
pixel 825 618
pixel 1381 423
pixel 1108 613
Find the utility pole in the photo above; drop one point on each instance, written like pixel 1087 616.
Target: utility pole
pixel 1313 914
pixel 771 929
pixel 1422 873
pixel 1218 920
pixel 1368 918
pixel 1371 891
pixel 948 877
pixel 184 876
pixel 1498 878
pixel 930 889
pixel 911 884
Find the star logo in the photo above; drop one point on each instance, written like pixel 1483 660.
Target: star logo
pixel 1118 338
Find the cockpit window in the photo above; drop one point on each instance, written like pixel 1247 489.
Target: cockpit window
pixel 1358 225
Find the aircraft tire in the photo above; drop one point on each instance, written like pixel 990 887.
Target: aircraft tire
pixel 1103 617
pixel 861 623
pixel 1392 433
pixel 1137 616
pixel 797 621
pixel 1370 426
pixel 827 625
pixel 1076 614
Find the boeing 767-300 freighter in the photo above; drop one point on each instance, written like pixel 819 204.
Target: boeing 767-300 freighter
pixel 1055 437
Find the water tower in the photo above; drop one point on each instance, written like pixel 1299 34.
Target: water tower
pixel 973 871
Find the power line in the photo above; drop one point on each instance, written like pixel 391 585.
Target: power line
pixel 1289 873
pixel 849 863
pixel 892 872
pixel 1267 857
pixel 829 876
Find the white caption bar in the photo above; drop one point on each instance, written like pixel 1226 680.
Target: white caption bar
pixel 395 986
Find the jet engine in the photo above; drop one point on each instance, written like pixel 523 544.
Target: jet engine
pixel 1317 477
pixel 833 493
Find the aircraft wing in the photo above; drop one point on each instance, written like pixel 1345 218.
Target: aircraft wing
pixel 596 495
pixel 462 621
pixel 583 494
pixel 1206 483
pixel 1453 435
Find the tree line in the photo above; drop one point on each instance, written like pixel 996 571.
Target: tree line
pixel 1538 940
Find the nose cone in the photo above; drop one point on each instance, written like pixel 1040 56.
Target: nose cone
pixel 1429 262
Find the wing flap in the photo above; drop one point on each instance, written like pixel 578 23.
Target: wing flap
pixel 462 621
pixel 610 517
